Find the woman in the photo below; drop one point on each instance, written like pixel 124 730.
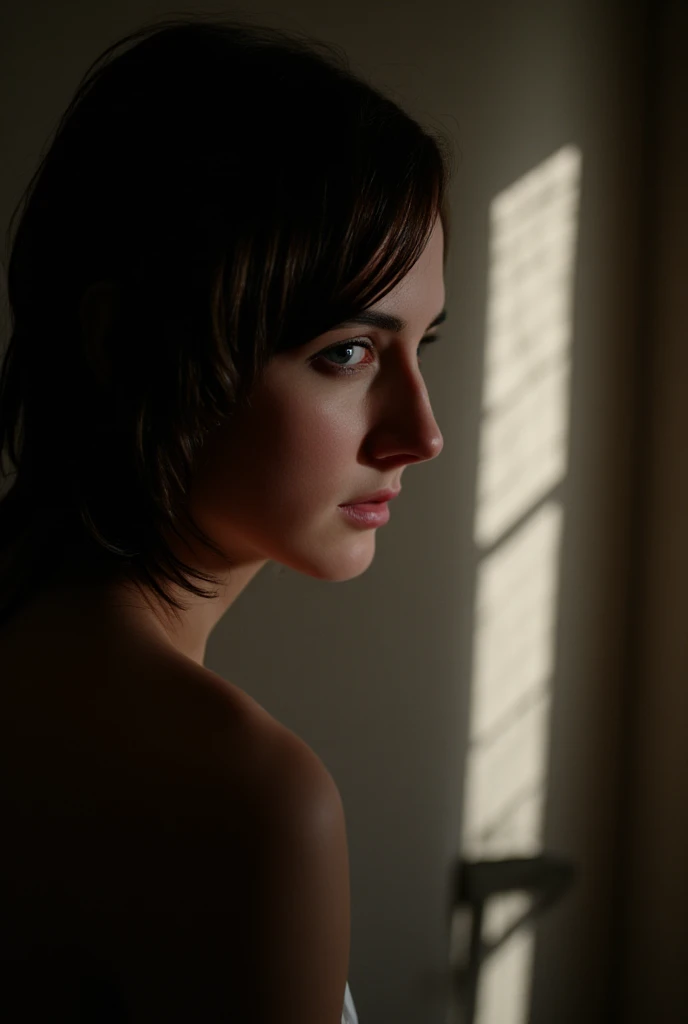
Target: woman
pixel 225 268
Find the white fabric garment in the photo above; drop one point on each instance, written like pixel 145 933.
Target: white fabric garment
pixel 349 1015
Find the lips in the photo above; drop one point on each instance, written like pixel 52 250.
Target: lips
pixel 374 499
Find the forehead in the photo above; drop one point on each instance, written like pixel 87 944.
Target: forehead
pixel 421 291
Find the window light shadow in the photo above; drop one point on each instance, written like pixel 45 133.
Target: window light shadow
pixel 517 530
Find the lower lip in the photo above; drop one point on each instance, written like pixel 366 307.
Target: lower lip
pixel 372 514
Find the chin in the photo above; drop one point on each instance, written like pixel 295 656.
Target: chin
pixel 337 566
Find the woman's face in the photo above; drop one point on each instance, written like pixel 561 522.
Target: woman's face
pixel 272 479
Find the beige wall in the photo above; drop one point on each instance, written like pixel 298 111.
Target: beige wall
pixel 375 673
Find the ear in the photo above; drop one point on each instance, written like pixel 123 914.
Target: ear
pixel 97 310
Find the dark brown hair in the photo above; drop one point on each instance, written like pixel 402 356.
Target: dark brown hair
pixel 240 191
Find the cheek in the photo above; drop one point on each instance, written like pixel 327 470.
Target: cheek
pixel 292 447
pixel 304 446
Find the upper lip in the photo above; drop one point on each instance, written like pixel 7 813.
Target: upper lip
pixel 378 496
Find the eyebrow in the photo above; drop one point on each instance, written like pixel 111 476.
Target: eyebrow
pixel 386 321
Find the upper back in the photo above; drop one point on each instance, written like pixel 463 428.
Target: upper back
pixel 168 837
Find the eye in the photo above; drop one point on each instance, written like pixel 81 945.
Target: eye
pixel 343 348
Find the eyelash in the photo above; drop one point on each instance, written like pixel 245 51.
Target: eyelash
pixel 363 343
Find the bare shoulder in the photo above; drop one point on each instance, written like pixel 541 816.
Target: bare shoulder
pixel 267 757
pixel 202 856
pixel 266 777
pixel 252 920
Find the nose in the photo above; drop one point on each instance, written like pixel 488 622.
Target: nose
pixel 408 428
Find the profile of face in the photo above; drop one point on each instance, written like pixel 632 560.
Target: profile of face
pixel 330 421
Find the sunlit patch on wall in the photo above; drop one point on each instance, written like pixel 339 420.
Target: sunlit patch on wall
pixel 518 527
